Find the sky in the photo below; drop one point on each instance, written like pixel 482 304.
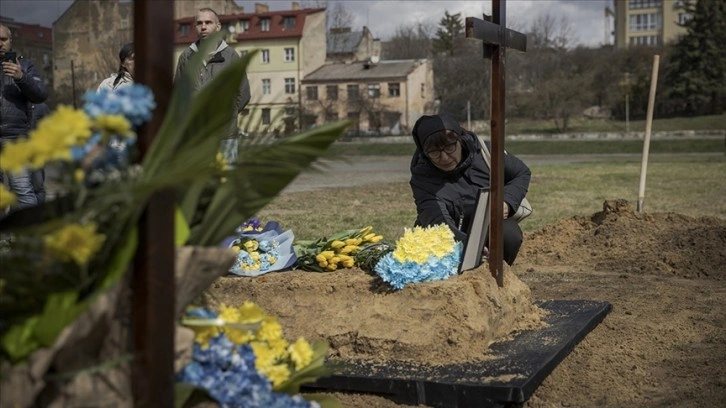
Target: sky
pixel 586 17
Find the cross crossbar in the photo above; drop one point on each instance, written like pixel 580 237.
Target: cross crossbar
pixel 490 33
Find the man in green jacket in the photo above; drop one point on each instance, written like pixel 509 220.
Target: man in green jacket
pixel 207 23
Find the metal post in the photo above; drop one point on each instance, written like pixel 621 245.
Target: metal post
pixel 648 128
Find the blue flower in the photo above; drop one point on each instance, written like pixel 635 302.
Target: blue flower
pixel 135 102
pixel 399 274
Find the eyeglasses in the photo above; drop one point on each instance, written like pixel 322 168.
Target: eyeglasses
pixel 448 149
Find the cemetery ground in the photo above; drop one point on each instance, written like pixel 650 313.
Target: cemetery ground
pixel 663 271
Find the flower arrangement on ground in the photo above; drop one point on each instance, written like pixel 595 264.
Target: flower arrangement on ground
pixel 241 359
pixel 261 249
pixel 58 257
pixel 338 251
pixel 421 255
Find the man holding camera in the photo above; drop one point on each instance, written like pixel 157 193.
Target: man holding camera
pixel 20 87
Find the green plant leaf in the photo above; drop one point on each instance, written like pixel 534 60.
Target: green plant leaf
pixel 60 309
pixel 19 341
pixel 182 393
pixel 119 261
pixel 181 228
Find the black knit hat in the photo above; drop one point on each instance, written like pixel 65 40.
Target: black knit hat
pixel 428 125
pixel 125 52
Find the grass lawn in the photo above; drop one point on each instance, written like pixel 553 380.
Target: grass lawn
pixel 691 186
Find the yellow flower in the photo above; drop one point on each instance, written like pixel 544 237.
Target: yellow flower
pixel 327 254
pixel 221 164
pixel 331 267
pixel 270 329
pixel 250 313
pixel 113 125
pixel 7 198
pixel 236 249
pixel 74 242
pixel 277 374
pixel 64 127
pixel 278 348
pixel 365 231
pixel 264 357
pixel 323 263
pixel 349 249
pixel 301 353
pixel 417 244
pixel 375 239
pixel 202 335
pixel 229 314
pixel 16 156
pixel 353 241
pixel 337 244
pixel 238 336
pixel 251 245
pixel 347 261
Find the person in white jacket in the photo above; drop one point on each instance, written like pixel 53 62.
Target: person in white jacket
pixel 125 75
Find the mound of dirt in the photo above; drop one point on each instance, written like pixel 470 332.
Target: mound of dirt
pixel 620 240
pixel 361 318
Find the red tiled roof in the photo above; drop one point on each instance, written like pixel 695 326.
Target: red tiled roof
pixel 277 28
pixel 33 34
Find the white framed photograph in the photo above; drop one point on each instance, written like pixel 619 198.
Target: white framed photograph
pixel 476 233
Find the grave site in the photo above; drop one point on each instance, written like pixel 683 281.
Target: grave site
pixel 619 308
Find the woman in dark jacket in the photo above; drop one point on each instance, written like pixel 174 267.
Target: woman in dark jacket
pixel 447 171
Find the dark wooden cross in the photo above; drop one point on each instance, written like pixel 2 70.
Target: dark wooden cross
pixel 497 38
pixel 153 279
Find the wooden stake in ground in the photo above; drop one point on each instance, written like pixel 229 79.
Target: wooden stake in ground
pixel 496 37
pixel 153 280
pixel 648 128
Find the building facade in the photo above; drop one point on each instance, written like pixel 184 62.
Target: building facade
pixel 649 22
pixel 386 97
pixel 89 34
pixel 288 47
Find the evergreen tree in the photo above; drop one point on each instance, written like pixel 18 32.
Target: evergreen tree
pixel 450 30
pixel 696 73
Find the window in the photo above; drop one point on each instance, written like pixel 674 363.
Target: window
pixel 289 54
pixel 312 93
pixel 265 56
pixel 290 112
pixel 374 90
pixel 288 22
pixel 644 40
pixel 244 25
pixel 265 24
pixel 184 29
pixel 645 22
pixel 266 116
pixel 423 90
pixel 266 87
pixel 332 92
pixel 639 4
pixel 394 89
pixel 353 92
pixel 289 85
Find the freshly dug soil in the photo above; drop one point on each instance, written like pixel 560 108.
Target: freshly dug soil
pixel 663 344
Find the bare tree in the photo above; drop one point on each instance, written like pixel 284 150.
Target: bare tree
pixel 339 16
pixel 410 41
pixel 548 31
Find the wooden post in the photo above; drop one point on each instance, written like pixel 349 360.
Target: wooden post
pixel 648 128
pixel 153 281
pixel 497 37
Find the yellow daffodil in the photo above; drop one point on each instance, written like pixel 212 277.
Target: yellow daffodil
pixel 74 242
pixel 202 335
pixel 64 127
pixel 264 357
pixel 270 329
pixel 301 353
pixel 277 374
pixel 229 314
pixel 113 125
pixel 16 156
pixel 279 348
pixel 238 336
pixel 7 197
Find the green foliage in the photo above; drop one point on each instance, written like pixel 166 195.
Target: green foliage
pixel 696 73
pixel 451 29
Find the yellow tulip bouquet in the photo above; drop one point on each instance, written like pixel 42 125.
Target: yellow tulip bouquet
pixel 342 250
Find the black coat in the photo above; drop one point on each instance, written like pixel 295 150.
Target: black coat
pixel 16 97
pixel 449 197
